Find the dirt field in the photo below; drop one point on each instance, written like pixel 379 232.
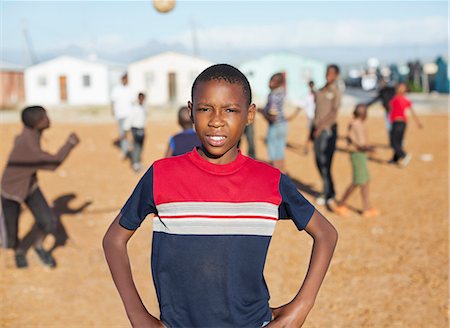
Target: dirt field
pixel 390 271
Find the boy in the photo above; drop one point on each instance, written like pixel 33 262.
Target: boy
pixel 123 99
pixel 274 114
pixel 215 211
pixel 136 124
pixel 397 115
pixel 357 139
pixel 20 185
pixel 186 140
pixel 328 101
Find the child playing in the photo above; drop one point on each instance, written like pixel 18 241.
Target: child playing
pixel 397 116
pixel 215 211
pixel 136 124
pixel 186 140
pixel 278 128
pixel 357 140
pixel 20 185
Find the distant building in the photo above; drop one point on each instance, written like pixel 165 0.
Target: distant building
pixel 298 71
pixel 12 91
pixel 72 81
pixel 166 78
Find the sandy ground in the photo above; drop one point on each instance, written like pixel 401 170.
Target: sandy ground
pixel 391 271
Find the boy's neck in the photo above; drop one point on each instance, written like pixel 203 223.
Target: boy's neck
pixel 227 158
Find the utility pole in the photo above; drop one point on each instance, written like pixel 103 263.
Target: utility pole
pixel 28 43
pixel 194 38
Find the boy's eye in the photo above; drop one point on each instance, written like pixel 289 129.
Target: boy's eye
pixel 230 110
pixel 203 109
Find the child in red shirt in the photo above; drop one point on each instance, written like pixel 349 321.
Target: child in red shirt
pixel 397 116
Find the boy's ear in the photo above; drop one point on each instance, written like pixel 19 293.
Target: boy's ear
pixel 190 111
pixel 251 114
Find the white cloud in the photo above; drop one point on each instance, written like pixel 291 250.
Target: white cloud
pixel 380 32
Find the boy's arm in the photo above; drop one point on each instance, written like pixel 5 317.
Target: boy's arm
pixel 115 248
pixel 325 237
pixel 40 159
pixel 416 119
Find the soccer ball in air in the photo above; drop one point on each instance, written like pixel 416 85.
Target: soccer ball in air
pixel 164 6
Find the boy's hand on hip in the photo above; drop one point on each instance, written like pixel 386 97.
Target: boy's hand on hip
pixel 146 320
pixel 288 316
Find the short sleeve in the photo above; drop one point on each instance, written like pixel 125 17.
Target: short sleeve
pixel 172 143
pixel 293 205
pixel 140 204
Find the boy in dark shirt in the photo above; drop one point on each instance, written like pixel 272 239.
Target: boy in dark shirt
pixel 19 184
pixel 215 211
pixel 186 140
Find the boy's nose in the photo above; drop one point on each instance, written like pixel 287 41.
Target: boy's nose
pixel 216 119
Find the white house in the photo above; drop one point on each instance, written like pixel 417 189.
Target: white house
pixel 72 81
pixel 166 77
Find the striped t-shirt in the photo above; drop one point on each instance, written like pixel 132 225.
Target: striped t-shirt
pixel 211 231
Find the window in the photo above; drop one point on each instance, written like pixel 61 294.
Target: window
pixel 42 81
pixel 86 81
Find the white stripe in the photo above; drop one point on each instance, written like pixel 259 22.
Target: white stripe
pixel 218 208
pixel 202 226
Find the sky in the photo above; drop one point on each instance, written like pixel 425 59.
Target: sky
pixel 232 31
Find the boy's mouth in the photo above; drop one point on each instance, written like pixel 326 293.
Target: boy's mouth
pixel 216 141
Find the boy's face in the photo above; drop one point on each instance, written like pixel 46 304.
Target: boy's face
pixel 331 75
pixel 43 123
pixel 141 99
pixel 401 88
pixel 220 113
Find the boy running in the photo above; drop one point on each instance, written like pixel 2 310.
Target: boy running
pixel 357 139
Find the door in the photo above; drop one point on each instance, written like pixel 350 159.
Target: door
pixel 63 88
pixel 172 87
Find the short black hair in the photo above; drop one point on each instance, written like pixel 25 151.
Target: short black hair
pixel 357 107
pixel 32 115
pixel 226 73
pixel 335 67
pixel 184 120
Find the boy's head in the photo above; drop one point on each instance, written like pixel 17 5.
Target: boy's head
pixel 141 98
pixel 311 85
pixel 227 73
pixel 184 120
pixel 221 109
pixel 35 117
pixel 332 73
pixel 276 81
pixel 401 88
pixel 360 112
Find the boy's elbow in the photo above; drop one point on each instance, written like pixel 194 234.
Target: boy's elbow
pixel 334 236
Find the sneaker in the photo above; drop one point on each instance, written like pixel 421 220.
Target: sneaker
pixel 405 161
pixel 371 213
pixel 45 257
pixel 21 261
pixel 342 210
pixel 320 201
pixel 137 167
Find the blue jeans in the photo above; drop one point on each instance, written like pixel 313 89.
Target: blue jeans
pixel 276 140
